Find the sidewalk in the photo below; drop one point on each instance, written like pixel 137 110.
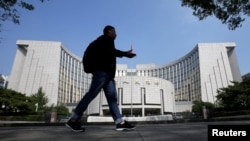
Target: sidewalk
pixel 180 130
pixel 190 131
pixel 42 123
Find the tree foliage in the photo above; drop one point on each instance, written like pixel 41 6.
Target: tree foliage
pixel 235 96
pixel 8 10
pixel 230 12
pixel 198 106
pixel 40 99
pixel 16 103
pixel 12 101
pixel 60 109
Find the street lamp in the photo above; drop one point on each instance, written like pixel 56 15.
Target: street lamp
pixel 36 106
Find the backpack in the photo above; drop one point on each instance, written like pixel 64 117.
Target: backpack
pixel 87 59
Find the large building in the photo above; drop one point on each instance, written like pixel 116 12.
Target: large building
pixel 148 89
pixel 3 81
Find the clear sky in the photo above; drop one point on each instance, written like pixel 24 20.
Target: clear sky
pixel 160 31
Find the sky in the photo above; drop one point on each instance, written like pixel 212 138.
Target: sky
pixel 160 31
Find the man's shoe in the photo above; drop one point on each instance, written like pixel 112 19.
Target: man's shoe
pixel 75 126
pixel 125 126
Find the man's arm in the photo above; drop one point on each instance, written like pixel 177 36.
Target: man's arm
pixel 128 53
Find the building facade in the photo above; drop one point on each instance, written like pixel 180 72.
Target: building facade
pixel 51 66
pixel 197 75
pixel 147 89
pixel 3 81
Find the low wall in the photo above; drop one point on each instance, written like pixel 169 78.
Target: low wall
pixel 133 119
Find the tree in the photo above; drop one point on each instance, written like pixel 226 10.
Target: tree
pixel 40 100
pixel 62 110
pixel 8 10
pixel 12 102
pixel 235 96
pixel 198 110
pixel 231 12
pixel 198 106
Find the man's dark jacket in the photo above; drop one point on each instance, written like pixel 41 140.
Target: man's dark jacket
pixel 102 54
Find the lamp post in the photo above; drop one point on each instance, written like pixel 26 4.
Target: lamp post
pixel 36 106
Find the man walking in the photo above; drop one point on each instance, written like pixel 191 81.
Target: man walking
pixel 103 55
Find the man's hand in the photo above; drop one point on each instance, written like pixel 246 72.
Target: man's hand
pixel 130 54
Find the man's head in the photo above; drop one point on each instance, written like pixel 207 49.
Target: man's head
pixel 109 31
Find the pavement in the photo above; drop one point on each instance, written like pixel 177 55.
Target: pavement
pixel 171 131
pixel 196 131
